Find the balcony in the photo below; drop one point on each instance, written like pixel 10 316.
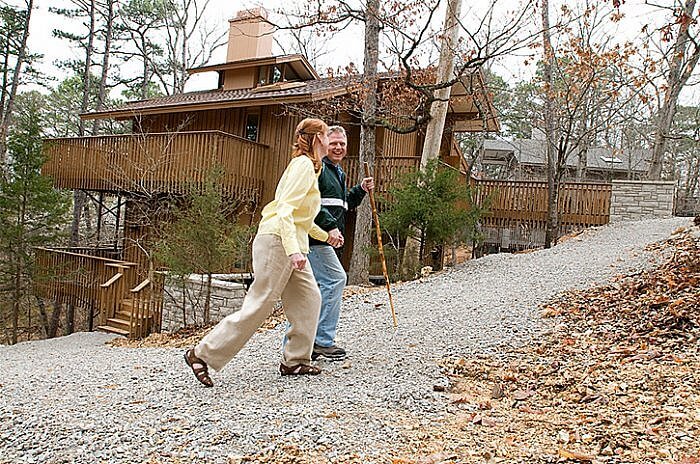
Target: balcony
pixel 170 163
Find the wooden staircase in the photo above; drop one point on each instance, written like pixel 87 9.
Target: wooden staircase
pixel 121 323
pixel 136 316
pixel 126 307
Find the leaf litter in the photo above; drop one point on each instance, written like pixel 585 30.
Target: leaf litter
pixel 617 380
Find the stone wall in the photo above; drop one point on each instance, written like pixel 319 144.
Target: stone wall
pixel 226 298
pixel 632 200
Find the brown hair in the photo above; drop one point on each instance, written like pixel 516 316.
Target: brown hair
pixel 304 139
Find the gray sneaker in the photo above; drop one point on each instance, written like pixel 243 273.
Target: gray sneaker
pixel 332 353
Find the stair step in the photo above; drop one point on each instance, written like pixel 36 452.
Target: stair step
pixel 127 316
pixel 123 315
pixel 114 330
pixel 119 323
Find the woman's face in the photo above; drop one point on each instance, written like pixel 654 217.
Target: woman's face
pixel 321 143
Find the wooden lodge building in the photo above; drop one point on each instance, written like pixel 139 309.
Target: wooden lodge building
pixel 245 127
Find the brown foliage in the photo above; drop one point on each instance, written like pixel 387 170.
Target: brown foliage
pixel 616 381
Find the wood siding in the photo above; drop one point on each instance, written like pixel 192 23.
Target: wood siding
pixel 398 145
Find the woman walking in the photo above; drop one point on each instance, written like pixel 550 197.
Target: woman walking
pixel 280 267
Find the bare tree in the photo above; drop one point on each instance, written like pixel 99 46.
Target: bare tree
pixel 682 59
pixel 188 43
pixel 108 13
pixel 359 264
pixel 402 100
pixel 586 83
pixel 549 127
pixel 141 21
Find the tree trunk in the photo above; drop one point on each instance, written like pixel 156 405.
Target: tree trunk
pixel 70 320
pixel 438 110
pixel 207 299
pixel 549 129
pixel 359 262
pixel 15 306
pixel 102 91
pixel 79 199
pixel 682 64
pixel 7 115
pixel 86 68
pixel 55 319
pixel 43 316
pixel 145 76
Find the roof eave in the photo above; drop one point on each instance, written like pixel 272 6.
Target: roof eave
pixel 177 108
pixel 258 62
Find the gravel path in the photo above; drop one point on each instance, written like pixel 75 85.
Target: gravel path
pixel 74 399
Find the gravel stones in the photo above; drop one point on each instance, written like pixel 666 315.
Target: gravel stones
pixel 75 399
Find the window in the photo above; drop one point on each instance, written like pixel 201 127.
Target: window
pixel 252 124
pixel 270 74
pixel 275 74
pixel 262 75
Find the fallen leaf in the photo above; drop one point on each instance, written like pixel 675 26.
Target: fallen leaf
pixel 497 392
pixel 522 395
pixel 658 420
pixel 566 454
pixel 488 422
pixel 461 399
pixel 529 410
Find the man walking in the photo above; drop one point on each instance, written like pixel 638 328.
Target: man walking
pixel 336 200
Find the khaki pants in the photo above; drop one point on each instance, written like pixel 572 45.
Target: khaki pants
pixel 274 279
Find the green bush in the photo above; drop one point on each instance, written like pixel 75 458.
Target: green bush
pixel 433 207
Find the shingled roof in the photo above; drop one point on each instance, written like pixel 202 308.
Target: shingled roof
pixel 287 92
pixel 532 152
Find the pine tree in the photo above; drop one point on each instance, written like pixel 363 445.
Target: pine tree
pixel 32 213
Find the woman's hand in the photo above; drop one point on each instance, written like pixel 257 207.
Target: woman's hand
pixel 367 184
pixel 298 261
pixel 335 238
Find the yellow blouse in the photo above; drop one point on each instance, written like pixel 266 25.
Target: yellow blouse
pixel 297 202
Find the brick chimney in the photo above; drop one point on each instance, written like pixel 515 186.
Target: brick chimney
pixel 250 36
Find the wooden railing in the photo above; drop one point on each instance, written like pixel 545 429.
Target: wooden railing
pixel 511 202
pixel 387 171
pixel 112 291
pixel 151 163
pixel 107 285
pixel 145 307
pixel 73 278
pixel 81 280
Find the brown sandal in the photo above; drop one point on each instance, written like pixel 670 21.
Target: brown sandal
pixel 299 369
pixel 199 368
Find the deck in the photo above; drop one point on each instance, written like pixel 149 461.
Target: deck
pixel 172 163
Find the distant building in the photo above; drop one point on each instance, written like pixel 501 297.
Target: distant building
pixel 525 159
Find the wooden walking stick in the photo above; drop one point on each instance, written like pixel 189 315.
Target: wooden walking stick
pixel 381 246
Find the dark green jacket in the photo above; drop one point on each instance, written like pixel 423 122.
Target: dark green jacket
pixel 336 199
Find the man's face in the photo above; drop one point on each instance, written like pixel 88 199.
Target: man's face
pixel 337 147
